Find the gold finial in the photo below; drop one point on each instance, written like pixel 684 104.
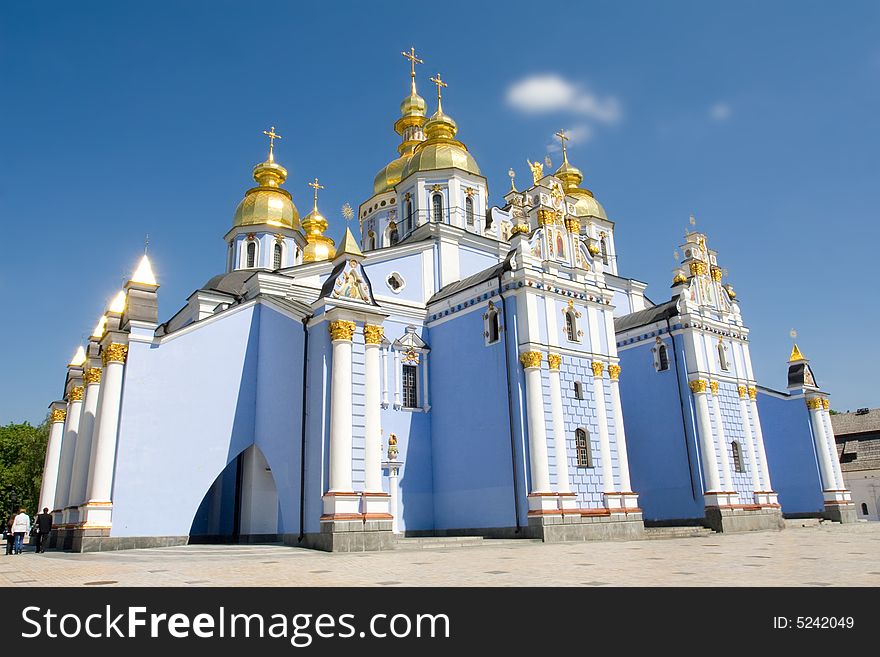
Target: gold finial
pixel 440 84
pixel 796 355
pixel 347 212
pixel 512 174
pixel 413 60
pixel 563 139
pixel 272 135
pixel 316 187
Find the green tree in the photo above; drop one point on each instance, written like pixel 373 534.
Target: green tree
pixel 22 452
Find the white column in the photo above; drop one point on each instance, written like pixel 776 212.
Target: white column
pixel 424 358
pixel 826 469
pixel 396 378
pixel 727 479
pixel 79 474
pixel 749 439
pixel 538 466
pixel 57 416
pixel 829 433
pixel 104 443
pixel 617 408
pixel 602 420
pixel 372 421
pixel 560 451
pixel 393 476
pixel 766 484
pixel 384 377
pixel 707 443
pixel 68 449
pixel 340 407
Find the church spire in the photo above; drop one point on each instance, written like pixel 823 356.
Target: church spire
pixel 318 246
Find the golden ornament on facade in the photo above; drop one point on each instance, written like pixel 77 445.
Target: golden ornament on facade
pixel 76 393
pixel 698 268
pixel 614 372
pixel 530 359
pixel 546 217
pixel 598 367
pixel 593 248
pixel 753 392
pixel 826 404
pixel 713 386
pixel 716 274
pixel 519 228
pixel 698 386
pixel 373 334
pixel 554 361
pixel 814 404
pixel 572 225
pixel 114 353
pixel 57 415
pixel 92 375
pixel 679 279
pixel 742 391
pixel 341 330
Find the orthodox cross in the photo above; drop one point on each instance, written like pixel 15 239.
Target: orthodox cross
pixel 413 60
pixel 316 187
pixel 563 139
pixel 146 242
pixel 272 135
pixel 440 84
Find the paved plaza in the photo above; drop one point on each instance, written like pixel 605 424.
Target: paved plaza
pixel 825 555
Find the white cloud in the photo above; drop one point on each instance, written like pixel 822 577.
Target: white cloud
pixel 720 112
pixel 578 134
pixel 545 93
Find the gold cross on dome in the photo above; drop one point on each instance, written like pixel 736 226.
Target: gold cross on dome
pixel 272 135
pixel 440 84
pixel 413 60
pixel 563 138
pixel 316 187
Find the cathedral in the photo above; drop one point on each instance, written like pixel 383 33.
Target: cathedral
pixel 461 368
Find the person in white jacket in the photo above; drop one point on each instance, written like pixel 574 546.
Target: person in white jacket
pixel 21 525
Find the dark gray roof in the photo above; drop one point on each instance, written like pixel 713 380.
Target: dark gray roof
pixel 231 283
pixel 849 423
pixel 480 277
pixel 647 316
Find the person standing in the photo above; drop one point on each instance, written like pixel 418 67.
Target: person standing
pixel 7 532
pixel 21 525
pixel 42 527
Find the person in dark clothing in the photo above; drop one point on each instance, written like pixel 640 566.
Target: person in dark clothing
pixel 7 531
pixel 42 527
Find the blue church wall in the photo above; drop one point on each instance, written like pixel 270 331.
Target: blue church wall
pixel 414 439
pixel 662 449
pixel 317 425
pixel 517 410
pixel 791 453
pixel 278 426
pixel 410 269
pixel 473 485
pixel 187 411
pixel 731 422
pixel 471 261
pixel 621 304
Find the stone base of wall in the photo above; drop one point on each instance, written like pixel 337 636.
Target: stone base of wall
pixel 597 526
pixel 744 518
pixel 348 536
pixel 842 513
pixel 99 540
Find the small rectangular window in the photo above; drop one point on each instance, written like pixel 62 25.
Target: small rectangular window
pixel 410 386
pixel 578 390
pixel 582 449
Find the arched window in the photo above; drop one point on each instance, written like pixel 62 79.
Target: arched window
pixel 864 509
pixel 582 448
pixel 469 211
pixel 603 248
pixel 408 217
pixel 722 358
pixel 494 327
pixel 663 358
pixel 437 205
pixel 571 326
pixel 371 244
pixel 737 456
pixel 251 253
pixel 276 256
pixel 393 236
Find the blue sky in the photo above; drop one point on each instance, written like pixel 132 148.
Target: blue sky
pixel 124 118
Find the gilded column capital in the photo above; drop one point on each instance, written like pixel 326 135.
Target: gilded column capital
pixel 614 372
pixel 373 334
pixel 826 404
pixel 546 217
pixel 554 360
pixel 530 359
pixel 698 386
pixel 572 224
pixel 753 393
pixel 697 268
pixel 57 415
pixel 598 367
pixel 520 228
pixel 341 330
pixel 716 274
pixel 76 393
pixel 92 375
pixel 814 404
pixel 713 386
pixel 114 353
pixel 743 391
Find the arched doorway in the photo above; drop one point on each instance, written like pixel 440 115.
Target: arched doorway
pixel 241 506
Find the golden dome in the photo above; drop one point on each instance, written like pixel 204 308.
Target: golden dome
pixel 390 175
pixel 571 177
pixel 441 150
pixel 267 203
pixel 413 105
pixel 318 246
